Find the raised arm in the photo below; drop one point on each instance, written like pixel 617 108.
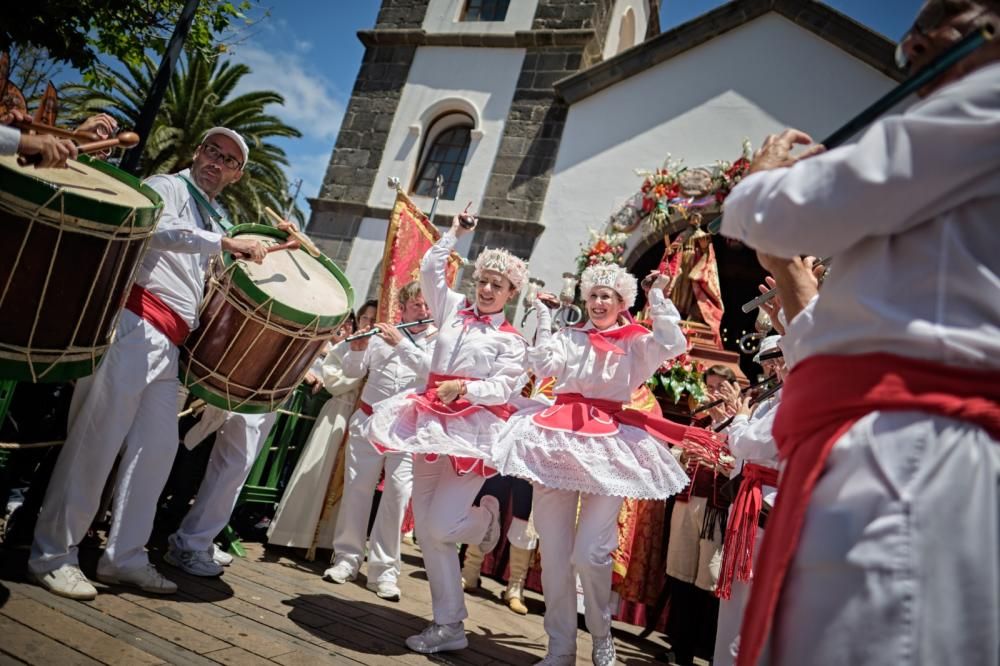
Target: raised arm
pixel 433 279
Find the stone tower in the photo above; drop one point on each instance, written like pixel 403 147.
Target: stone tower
pixel 428 59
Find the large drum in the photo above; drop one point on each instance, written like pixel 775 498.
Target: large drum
pixel 70 242
pixel 261 325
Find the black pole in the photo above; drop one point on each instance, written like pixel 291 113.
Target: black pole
pixel 130 162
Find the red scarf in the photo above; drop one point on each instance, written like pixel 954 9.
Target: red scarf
pixel 741 534
pixel 150 307
pixel 823 397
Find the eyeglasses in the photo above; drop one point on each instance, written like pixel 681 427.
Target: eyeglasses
pixel 929 20
pixel 216 155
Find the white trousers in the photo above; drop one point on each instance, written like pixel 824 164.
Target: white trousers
pixel 237 443
pixel 582 547
pixel 899 560
pixel 363 466
pixel 444 517
pixel 727 630
pixel 129 406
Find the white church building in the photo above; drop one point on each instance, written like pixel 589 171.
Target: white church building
pixel 537 114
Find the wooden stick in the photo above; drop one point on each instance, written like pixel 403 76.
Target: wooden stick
pixel 42 128
pixel 124 139
pixel 307 244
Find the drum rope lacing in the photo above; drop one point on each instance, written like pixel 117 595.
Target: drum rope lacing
pixel 36 214
pixel 262 315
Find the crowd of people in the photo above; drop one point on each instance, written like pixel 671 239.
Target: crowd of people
pixel 851 516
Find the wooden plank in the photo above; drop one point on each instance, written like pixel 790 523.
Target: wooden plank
pixel 34 648
pixel 171 630
pixel 75 634
pixel 239 656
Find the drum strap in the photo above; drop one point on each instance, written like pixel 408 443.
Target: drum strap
pixel 203 203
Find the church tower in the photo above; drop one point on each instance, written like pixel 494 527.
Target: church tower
pixel 462 89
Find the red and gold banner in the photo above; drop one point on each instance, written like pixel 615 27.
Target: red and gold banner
pixel 410 235
pixel 48 107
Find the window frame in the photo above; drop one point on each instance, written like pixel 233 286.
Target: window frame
pixel 444 122
pixel 464 16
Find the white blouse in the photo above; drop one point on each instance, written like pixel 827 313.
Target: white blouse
pixel 390 369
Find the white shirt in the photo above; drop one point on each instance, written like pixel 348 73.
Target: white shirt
pixel 391 370
pixel 910 215
pixel 179 250
pixel 10 139
pixel 580 368
pixel 494 358
pixel 751 441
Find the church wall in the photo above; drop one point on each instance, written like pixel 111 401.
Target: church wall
pixel 698 106
pixel 478 81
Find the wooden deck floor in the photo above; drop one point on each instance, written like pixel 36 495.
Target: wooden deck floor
pixel 270 608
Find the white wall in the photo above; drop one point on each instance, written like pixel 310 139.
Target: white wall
pixel 640 10
pixel 698 106
pixel 480 81
pixel 444 15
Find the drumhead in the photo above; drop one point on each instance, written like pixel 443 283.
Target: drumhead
pixel 296 279
pixel 82 179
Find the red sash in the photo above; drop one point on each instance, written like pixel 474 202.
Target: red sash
pixel 823 397
pixel 150 307
pixel 741 534
pixel 430 401
pixel 365 408
pixel 589 416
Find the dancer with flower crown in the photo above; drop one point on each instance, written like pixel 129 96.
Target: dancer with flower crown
pixel 588 450
pixel 452 424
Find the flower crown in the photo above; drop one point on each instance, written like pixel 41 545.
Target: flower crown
pixel 503 262
pixel 612 276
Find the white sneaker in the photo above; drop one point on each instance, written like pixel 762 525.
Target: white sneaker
pixel 146 578
pixel 439 638
pixel 385 589
pixel 492 536
pixel 194 562
pixel 557 660
pixel 340 573
pixel 603 653
pixel 221 557
pixel 66 581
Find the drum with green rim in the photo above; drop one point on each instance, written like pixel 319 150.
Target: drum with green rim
pixel 261 325
pixel 70 243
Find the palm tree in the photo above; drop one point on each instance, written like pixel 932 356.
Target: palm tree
pixel 200 97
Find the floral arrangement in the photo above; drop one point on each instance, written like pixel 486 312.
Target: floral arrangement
pixel 675 189
pixel 680 377
pixel 607 248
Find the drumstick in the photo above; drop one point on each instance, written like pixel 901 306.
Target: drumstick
pixel 57 131
pixel 125 139
pixel 290 244
pixel 309 246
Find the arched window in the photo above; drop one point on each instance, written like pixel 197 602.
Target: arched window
pixel 444 154
pixel 626 31
pixel 485 10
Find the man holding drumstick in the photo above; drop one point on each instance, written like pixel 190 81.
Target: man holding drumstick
pixel 130 404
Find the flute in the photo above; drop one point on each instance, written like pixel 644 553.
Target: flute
pixel 403 326
pixel 742 391
pixel 936 68
pixel 756 400
pixel 771 293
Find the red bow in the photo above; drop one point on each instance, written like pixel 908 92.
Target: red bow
pixel 601 343
pixel 469 317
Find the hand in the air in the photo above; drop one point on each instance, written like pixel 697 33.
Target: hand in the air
pixel 776 151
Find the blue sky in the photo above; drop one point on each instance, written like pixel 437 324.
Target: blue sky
pixel 309 52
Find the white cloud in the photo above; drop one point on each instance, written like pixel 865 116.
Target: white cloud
pixel 312 103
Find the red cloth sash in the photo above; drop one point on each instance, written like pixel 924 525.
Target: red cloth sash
pixel 470 316
pixel 150 307
pixel 741 534
pixel 604 341
pixel 365 408
pixel 590 416
pixel 430 401
pixel 823 397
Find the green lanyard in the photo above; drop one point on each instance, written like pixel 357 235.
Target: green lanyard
pixel 204 205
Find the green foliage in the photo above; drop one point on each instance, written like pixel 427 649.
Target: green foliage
pixel 82 31
pixel 199 97
pixel 678 381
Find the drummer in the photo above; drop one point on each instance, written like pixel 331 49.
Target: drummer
pixel 130 404
pixel 54 151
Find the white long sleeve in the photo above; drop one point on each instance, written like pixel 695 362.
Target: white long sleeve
pixel 440 298
pixel 10 139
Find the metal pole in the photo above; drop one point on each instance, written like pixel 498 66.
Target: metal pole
pixel 438 189
pixel 130 162
pixel 291 202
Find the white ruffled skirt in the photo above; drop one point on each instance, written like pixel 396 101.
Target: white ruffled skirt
pixel 626 462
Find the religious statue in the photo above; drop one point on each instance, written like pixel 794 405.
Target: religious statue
pixel 690 259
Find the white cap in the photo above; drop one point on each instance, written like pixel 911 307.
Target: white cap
pixel 766 345
pixel 225 131
pixel 614 277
